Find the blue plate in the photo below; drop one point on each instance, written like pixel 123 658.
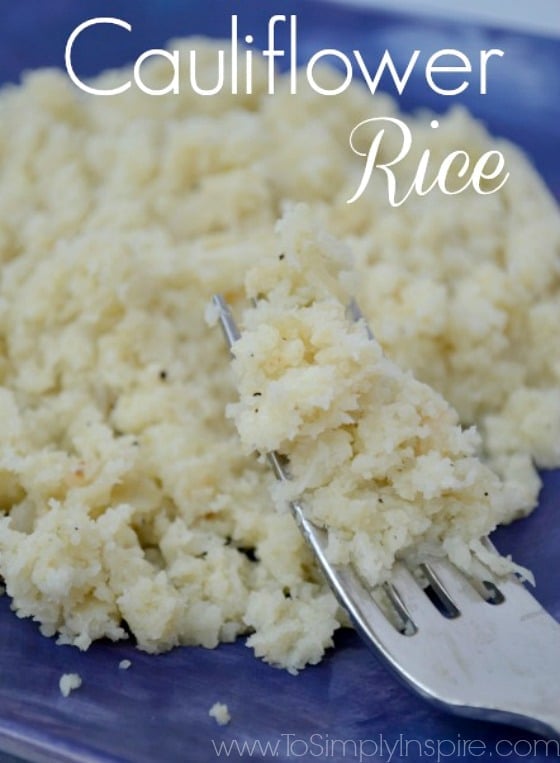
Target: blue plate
pixel 348 707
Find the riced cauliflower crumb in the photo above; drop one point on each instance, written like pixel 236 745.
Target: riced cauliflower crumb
pixel 124 664
pixel 128 506
pixel 220 713
pixel 69 682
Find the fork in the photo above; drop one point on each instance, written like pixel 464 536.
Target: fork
pixel 467 646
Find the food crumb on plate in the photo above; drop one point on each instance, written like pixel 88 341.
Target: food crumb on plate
pixel 68 682
pixel 220 712
pixel 124 664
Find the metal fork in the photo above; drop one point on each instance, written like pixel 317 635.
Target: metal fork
pixel 469 647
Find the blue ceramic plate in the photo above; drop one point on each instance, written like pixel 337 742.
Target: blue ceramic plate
pixel 347 708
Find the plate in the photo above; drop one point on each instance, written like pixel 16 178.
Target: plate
pixel 348 707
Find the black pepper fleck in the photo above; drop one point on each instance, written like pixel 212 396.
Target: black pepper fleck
pixel 163 375
pixel 250 552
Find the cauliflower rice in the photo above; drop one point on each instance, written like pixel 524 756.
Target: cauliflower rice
pixel 68 683
pixel 220 712
pixel 128 505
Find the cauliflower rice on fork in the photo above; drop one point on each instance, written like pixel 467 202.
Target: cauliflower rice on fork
pixel 378 458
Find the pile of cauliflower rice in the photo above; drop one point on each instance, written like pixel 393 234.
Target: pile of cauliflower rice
pixel 128 505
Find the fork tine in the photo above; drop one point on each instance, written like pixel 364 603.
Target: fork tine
pixel 455 583
pixel 438 593
pixel 414 599
pixel 467 593
pixel 227 322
